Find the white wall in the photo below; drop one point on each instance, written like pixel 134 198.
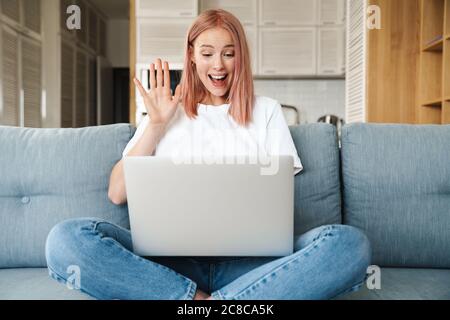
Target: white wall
pixel 313 98
pixel 117 44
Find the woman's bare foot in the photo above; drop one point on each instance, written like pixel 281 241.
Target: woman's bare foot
pixel 200 295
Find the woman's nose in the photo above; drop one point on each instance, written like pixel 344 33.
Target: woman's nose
pixel 218 63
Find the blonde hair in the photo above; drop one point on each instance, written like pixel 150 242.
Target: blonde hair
pixel 241 95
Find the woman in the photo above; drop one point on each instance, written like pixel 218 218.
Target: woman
pixel 215 94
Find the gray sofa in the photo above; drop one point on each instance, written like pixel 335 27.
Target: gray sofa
pixel 392 181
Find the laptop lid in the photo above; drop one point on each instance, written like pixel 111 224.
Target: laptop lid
pixel 219 209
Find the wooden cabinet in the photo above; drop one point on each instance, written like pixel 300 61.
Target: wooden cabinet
pixel 434 60
pixel 397 74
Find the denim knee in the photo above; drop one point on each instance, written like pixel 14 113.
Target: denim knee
pixel 63 241
pixel 357 240
pixel 350 241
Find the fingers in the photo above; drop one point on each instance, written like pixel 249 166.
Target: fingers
pixel 159 74
pixel 152 76
pixel 140 87
pixel 166 75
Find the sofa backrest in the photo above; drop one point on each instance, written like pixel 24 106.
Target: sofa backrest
pixel 49 175
pixel 396 187
pixel 317 186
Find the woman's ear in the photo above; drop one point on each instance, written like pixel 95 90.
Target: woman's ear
pixel 191 55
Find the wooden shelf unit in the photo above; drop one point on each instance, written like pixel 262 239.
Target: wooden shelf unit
pixel 446 112
pixel 447 22
pixel 434 63
pixel 446 68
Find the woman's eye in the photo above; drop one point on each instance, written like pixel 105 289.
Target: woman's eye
pixel 229 55
pixel 206 55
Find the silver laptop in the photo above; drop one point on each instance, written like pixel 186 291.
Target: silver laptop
pixel 192 208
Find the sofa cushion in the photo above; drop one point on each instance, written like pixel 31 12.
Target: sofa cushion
pixel 35 284
pixel 396 187
pixel 317 186
pixel 406 284
pixel 50 175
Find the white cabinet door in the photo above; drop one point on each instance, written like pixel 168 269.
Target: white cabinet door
pixel 9 77
pixel 31 82
pixel 287 13
pixel 331 12
pixel 166 8
pixel 330 51
pixel 67 84
pixel 161 38
pixel 245 11
pixel 287 51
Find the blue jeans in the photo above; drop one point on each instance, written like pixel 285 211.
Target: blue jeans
pixel 328 261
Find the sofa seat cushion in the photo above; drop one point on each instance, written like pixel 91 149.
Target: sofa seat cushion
pixel 35 284
pixel 407 284
pixel 396 284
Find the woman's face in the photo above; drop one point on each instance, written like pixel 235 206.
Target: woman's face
pixel 214 59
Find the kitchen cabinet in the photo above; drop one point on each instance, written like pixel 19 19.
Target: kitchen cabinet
pixel 287 51
pixel 166 8
pixel 287 13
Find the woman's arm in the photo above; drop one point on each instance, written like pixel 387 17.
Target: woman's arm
pixel 161 107
pixel 145 146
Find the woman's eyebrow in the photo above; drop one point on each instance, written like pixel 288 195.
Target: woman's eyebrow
pixel 210 46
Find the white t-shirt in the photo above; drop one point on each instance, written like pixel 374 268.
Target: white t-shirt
pixel 215 133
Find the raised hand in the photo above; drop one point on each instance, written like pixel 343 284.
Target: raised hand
pixel 159 102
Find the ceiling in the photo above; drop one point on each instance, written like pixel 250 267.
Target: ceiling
pixel 113 9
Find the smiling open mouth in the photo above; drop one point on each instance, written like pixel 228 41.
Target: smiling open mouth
pixel 218 81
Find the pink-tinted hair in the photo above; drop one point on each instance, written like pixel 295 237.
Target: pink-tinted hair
pixel 241 95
